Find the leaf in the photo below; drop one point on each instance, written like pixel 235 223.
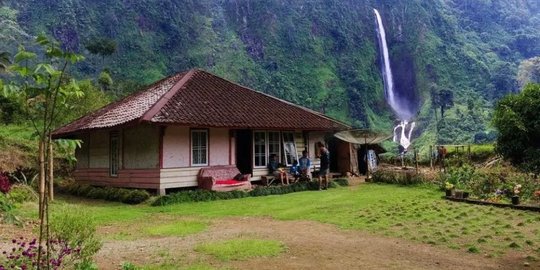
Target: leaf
pixel 54 52
pixel 73 57
pixel 48 68
pixel 23 55
pixel 42 39
pixel 23 71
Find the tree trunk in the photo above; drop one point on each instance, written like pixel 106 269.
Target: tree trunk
pixel 42 174
pixel 51 170
pixel 442 112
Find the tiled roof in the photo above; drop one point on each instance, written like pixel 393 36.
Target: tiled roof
pixel 198 98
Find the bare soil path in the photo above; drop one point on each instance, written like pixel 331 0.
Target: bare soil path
pixel 310 245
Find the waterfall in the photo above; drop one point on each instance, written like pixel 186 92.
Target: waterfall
pixel 402 112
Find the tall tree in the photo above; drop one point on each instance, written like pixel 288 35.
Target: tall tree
pixel 441 99
pixel 101 46
pixel 516 119
pixel 529 71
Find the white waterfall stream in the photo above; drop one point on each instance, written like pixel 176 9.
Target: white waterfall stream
pixel 401 135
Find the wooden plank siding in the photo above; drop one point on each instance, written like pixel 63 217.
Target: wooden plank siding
pixel 132 178
pixel 179 177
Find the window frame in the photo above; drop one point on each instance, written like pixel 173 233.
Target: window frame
pixel 192 147
pixel 114 154
pixel 255 148
pixel 294 155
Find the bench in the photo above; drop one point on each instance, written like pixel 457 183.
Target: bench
pixel 223 178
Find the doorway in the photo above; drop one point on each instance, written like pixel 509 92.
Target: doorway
pixel 244 151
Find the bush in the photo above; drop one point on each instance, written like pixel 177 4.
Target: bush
pixel 206 195
pixel 25 255
pixel 5 185
pixel 398 178
pixel 134 196
pixel 517 123
pixel 22 193
pixel 78 230
pixel 341 181
pixel 6 210
pixel 458 176
pixel 129 196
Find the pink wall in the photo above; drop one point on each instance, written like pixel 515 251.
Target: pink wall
pixel 176 147
pixel 219 146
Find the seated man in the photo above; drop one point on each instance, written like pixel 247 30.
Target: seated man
pixel 276 169
pixel 304 166
pixel 295 171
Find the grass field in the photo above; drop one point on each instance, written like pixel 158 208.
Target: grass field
pixel 416 213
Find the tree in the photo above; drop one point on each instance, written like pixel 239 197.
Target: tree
pixel 44 86
pixel 529 71
pixel 516 119
pixel 104 80
pixel 101 46
pixel 441 99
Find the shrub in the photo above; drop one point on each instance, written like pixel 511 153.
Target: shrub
pixel 129 196
pixel 135 196
pixel 5 185
pixel 205 195
pixel 77 229
pixel 22 193
pixel 399 178
pixel 341 181
pixel 24 255
pixel 6 210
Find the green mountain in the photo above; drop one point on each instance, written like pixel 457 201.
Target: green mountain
pixel 322 54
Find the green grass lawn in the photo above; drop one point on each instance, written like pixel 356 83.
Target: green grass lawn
pixel 416 213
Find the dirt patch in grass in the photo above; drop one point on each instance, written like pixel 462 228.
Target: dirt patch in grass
pixel 309 244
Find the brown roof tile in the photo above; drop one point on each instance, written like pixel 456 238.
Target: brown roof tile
pixel 199 98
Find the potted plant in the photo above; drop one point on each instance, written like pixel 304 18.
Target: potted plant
pixel 515 197
pixel 448 187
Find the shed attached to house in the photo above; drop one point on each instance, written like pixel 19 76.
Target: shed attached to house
pixel 160 137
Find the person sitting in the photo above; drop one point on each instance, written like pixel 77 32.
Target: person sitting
pixel 276 169
pixel 304 166
pixel 295 171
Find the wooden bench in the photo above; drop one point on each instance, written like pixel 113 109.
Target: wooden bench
pixel 267 180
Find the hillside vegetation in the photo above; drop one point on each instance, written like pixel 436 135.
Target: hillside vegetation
pixel 322 54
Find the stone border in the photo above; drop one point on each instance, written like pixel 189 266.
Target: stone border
pixel 504 205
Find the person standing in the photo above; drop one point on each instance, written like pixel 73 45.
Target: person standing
pixel 304 164
pixel 324 155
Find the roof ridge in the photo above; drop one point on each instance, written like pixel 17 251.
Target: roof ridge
pixel 279 99
pixel 150 113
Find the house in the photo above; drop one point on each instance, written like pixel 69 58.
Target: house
pixel 159 138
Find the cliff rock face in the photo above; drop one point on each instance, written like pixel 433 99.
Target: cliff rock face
pixel 322 54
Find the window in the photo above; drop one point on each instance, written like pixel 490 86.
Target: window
pixel 259 144
pixel 289 148
pixel 273 144
pixel 114 154
pixel 267 143
pixel 199 147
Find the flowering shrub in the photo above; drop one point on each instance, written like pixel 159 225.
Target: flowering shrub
pixel 5 185
pixel 24 255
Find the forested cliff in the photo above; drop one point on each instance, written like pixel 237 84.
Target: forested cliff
pixel 452 58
